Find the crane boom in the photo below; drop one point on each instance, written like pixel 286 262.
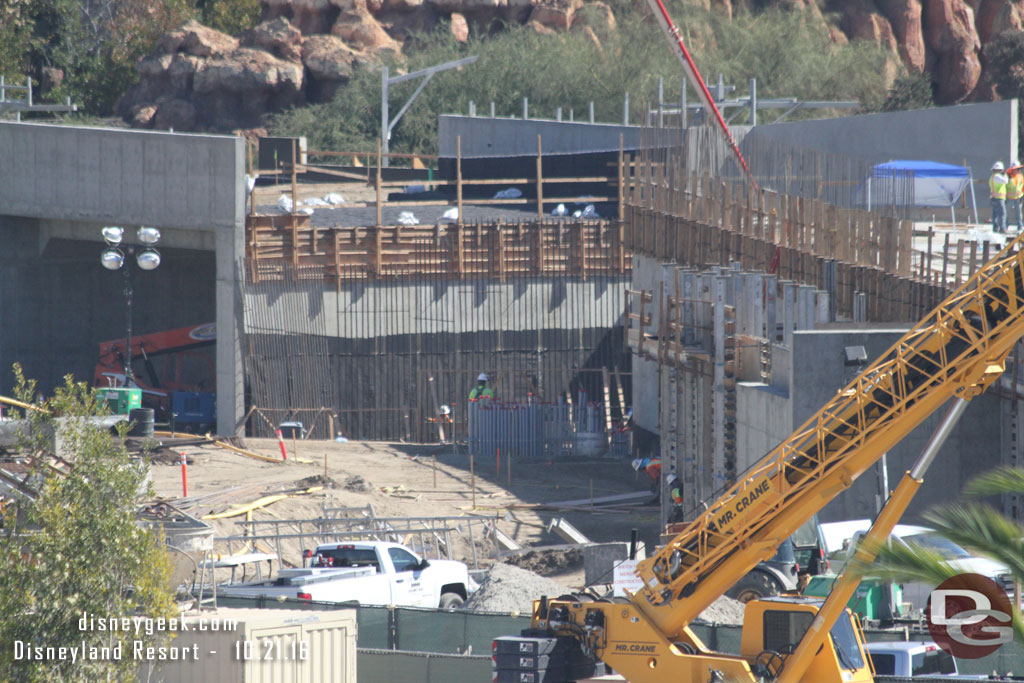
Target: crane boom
pixel 956 351
pixel 665 21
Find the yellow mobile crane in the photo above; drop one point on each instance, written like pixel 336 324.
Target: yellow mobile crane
pixel 954 353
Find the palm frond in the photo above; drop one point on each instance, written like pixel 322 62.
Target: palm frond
pixel 984 531
pixel 996 481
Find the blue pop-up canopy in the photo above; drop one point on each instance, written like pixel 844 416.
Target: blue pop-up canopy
pixel 932 184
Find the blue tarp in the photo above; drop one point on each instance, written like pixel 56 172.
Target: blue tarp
pixel 921 169
pixel 917 183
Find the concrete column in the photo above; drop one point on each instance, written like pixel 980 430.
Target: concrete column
pixel 690 333
pixel 718 357
pixel 822 310
pixel 860 307
pixel 788 312
pixel 230 314
pixel 805 307
pixel 770 323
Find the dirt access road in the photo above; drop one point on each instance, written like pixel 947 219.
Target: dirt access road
pixel 399 481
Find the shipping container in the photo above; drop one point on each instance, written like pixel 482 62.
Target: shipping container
pixel 258 646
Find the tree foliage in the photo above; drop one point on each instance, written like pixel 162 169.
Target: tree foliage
pixel 788 57
pixel 1005 58
pixel 15 38
pixel 77 548
pixel 910 91
pixel 229 16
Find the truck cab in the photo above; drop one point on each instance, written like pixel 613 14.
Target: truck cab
pixel 773 627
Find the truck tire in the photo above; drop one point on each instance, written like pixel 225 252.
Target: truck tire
pixel 753 586
pixel 450 601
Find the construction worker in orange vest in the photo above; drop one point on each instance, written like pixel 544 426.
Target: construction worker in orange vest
pixel 997 185
pixel 1014 193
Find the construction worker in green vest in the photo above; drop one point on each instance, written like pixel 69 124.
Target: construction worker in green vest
pixel 675 491
pixel 1014 193
pixel 997 185
pixel 481 390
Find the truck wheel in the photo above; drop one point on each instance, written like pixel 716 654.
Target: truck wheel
pixel 450 601
pixel 753 586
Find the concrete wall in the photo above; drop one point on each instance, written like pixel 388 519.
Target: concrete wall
pixel 80 178
pixel 483 136
pixel 764 417
pixel 123 176
pixel 973 447
pixel 980 133
pixel 369 310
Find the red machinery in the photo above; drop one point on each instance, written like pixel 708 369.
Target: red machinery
pixel 164 364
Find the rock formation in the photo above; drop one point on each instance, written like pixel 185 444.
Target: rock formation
pixel 305 50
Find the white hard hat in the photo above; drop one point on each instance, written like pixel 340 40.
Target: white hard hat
pixel 636 464
pixel 482 377
pixel 672 479
pixel 1015 162
pixel 998 166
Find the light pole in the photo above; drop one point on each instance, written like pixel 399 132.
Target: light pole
pixel 113 258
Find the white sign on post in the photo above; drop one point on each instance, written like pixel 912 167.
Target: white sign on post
pixel 625 578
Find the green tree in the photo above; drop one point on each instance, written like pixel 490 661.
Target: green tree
pixel 15 38
pixel 230 16
pixel 1004 57
pixel 972 525
pixel 77 547
pixel 910 91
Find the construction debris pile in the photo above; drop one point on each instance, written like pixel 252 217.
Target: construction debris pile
pixel 724 610
pixel 510 589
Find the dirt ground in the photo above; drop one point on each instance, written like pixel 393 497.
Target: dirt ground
pixel 400 482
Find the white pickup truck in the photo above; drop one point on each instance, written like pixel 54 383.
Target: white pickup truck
pixel 369 573
pixel 914 659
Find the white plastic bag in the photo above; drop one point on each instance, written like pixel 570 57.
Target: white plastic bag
pixel 590 212
pixel 308 210
pixel 559 210
pixel 334 198
pixel 451 214
pixel 510 193
pixel 407 218
pixel 314 201
pixel 577 214
pixel 284 202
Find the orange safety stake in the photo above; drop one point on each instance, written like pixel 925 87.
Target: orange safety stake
pixel 280 442
pixel 184 476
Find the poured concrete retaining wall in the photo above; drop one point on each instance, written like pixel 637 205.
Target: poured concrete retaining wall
pixel 978 133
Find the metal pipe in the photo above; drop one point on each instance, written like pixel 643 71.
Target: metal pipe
pixel 938 438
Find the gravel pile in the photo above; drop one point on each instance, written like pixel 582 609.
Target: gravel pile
pixel 724 610
pixel 510 589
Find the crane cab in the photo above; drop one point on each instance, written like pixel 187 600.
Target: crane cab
pixel 773 627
